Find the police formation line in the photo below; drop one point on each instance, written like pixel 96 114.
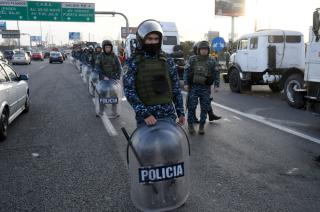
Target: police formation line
pixel 159 150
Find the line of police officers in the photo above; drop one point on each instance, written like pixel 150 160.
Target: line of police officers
pixel 151 84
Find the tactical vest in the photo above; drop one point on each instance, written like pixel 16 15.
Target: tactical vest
pixel 153 82
pixel 200 71
pixel 108 64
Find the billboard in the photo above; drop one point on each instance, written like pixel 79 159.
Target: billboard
pixel 74 35
pixel 35 38
pixel 212 34
pixel 132 30
pixel 10 33
pixel 230 7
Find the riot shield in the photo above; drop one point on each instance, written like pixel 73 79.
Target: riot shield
pixel 159 167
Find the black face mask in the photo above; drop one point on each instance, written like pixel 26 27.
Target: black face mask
pixel 151 49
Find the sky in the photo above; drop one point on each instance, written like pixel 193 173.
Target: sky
pixel 193 19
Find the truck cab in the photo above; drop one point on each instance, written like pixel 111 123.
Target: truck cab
pixel 266 57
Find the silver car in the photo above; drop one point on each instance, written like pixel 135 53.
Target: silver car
pixel 14 97
pixel 21 58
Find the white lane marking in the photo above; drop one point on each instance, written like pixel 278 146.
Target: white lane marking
pixel 41 67
pixel 108 125
pixel 263 120
pixel 227 120
pixel 236 117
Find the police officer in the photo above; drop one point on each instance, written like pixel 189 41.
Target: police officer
pixel 200 73
pixel 109 68
pixel 151 84
pixel 211 115
pixel 98 51
pixel 90 56
pixel 107 63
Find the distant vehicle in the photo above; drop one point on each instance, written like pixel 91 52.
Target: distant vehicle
pixel 130 45
pixel 29 53
pixel 170 36
pixel 8 54
pixel 170 39
pixel 46 54
pixel 2 57
pixel 21 58
pixel 37 56
pixel 14 97
pixel 55 57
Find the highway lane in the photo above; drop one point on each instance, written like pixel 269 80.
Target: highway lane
pixel 60 157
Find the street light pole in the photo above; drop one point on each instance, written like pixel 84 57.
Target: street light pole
pixel 115 13
pixel 19 34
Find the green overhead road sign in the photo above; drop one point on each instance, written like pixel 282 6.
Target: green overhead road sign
pixel 13 10
pixel 47 11
pixel 44 11
pixel 77 12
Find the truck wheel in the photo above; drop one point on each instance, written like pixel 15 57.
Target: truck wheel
pixel 275 87
pixel 4 125
pixel 294 99
pixel 234 81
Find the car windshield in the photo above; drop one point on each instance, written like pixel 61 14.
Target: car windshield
pixel 55 54
pixel 19 54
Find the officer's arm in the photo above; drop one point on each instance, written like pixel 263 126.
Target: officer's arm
pixel 129 86
pixel 119 68
pixel 176 91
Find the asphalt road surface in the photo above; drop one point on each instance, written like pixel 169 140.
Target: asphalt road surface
pixel 60 157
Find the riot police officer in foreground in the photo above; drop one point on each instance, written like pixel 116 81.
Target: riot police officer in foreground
pixel 151 84
pixel 200 73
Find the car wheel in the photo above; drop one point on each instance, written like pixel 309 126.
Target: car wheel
pixel 234 81
pixel 27 104
pixel 4 125
pixel 294 99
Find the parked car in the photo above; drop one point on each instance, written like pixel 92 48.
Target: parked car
pixel 2 57
pixel 21 58
pixel 37 56
pixel 8 54
pixel 14 97
pixel 55 57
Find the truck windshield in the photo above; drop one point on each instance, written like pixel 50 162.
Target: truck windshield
pixel 275 39
pixel 170 40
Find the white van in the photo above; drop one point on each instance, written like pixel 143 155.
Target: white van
pixel 170 39
pixel 171 36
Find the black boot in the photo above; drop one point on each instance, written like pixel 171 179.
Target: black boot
pixel 212 116
pixel 191 129
pixel 201 129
